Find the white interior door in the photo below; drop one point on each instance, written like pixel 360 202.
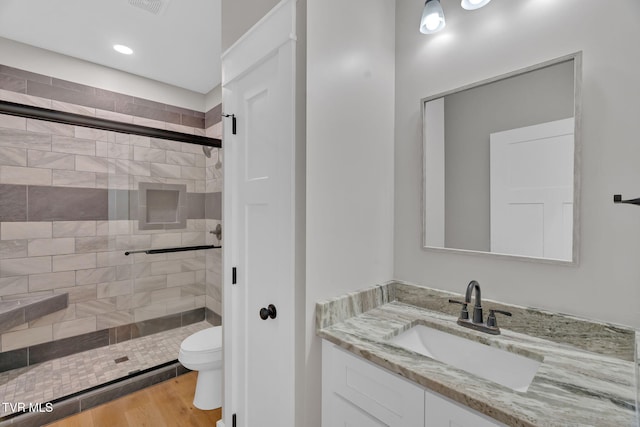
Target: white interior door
pixel 532 190
pixel 258 88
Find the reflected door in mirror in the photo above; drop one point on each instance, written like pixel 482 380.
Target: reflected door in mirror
pixel 532 190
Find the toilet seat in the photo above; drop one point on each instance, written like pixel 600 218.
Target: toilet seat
pixel 202 350
pixel 206 340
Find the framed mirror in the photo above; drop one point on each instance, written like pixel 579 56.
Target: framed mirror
pixel 501 171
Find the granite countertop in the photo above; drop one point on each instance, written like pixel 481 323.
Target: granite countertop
pixel 577 384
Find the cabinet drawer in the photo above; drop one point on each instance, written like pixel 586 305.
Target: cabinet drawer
pixel 388 397
pixel 443 412
pixel 346 414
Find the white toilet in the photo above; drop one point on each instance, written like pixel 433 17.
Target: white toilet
pixel 202 352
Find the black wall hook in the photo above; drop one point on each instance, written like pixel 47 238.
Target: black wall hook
pixel 617 198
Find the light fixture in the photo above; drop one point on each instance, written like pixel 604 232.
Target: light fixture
pixel 473 4
pixel 432 17
pixel 125 50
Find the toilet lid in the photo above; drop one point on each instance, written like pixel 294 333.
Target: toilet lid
pixel 206 339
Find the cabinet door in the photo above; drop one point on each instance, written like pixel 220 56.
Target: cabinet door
pixel 443 412
pixel 385 397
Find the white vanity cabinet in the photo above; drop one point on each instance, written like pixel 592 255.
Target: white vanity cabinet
pixel 357 393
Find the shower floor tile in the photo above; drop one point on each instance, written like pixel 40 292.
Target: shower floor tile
pixel 61 377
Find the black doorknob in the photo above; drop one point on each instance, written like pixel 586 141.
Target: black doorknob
pixel 269 311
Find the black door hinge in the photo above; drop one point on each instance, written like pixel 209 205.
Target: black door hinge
pixel 233 122
pixel 234 276
pixel 233 420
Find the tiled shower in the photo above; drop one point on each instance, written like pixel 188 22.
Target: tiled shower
pixel 73 200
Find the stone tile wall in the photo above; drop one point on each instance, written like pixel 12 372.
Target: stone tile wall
pixel 68 211
pixel 63 91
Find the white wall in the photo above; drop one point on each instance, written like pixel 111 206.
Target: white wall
pixel 240 15
pixel 213 98
pixel 502 37
pixel 350 97
pixel 30 58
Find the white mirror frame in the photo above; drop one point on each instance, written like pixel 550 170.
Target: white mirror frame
pixel 577 82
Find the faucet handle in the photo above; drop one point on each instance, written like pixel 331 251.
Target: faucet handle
pixel 464 313
pixel 491 319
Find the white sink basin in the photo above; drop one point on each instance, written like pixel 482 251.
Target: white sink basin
pixel 493 364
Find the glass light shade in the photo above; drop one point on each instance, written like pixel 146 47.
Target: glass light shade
pixel 432 19
pixel 473 4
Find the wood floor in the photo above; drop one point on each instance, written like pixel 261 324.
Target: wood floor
pixel 168 404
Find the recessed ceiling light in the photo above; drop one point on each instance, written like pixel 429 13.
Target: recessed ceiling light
pixel 474 4
pixel 126 50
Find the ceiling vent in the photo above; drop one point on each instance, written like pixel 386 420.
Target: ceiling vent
pixel 153 6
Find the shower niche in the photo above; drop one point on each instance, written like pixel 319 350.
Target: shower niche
pixel 162 206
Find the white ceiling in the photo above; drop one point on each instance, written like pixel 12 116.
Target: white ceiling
pixel 180 46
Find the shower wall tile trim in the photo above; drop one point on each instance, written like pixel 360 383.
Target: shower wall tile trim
pixel 38 353
pixel 34 203
pixel 28 83
pixel 69 210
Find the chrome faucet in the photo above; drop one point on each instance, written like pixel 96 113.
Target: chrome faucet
pixel 477 322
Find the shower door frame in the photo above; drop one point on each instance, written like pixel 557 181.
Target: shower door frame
pixel 32 112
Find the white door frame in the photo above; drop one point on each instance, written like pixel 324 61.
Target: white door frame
pixel 273 35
